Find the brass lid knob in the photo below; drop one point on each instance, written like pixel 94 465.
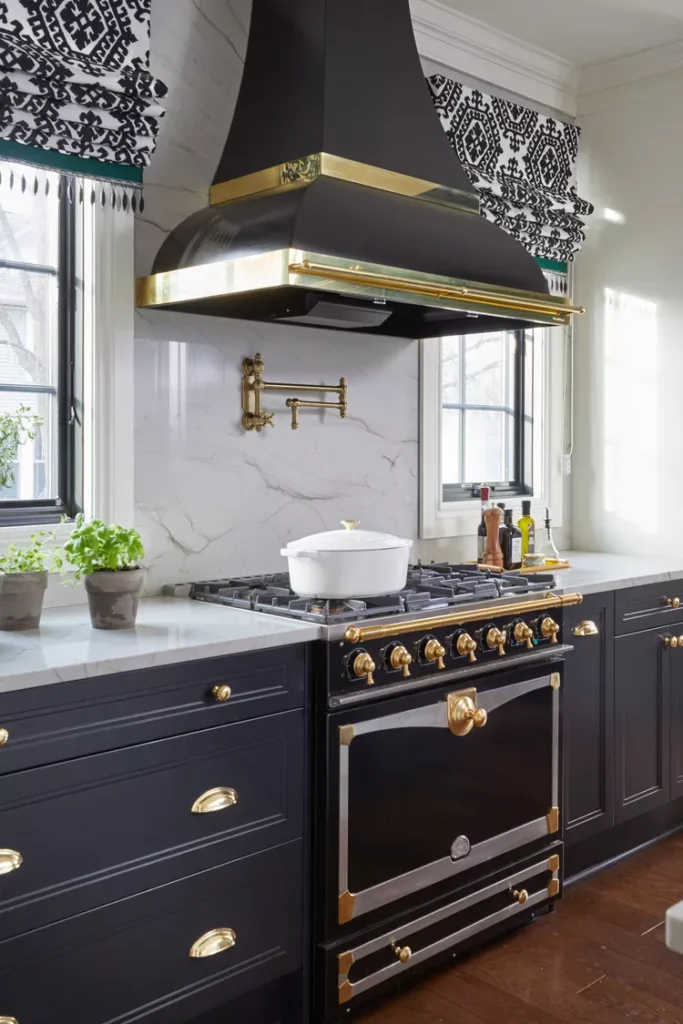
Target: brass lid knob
pixel 403 953
pixel 401 658
pixel 363 667
pixel 466 645
pixel 434 651
pixel 222 693
pixel 350 524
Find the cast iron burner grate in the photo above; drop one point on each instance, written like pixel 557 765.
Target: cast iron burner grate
pixel 428 587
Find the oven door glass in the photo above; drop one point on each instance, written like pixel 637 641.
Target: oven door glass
pixel 432 785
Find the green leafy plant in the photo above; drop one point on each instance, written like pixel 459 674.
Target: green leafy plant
pixel 15 428
pixel 95 546
pixel 32 557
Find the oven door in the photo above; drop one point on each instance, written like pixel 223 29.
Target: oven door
pixel 422 788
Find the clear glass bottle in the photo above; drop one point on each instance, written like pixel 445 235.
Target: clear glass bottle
pixel 528 527
pixel 547 548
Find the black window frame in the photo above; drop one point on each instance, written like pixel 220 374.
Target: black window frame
pixel 522 480
pixel 36 512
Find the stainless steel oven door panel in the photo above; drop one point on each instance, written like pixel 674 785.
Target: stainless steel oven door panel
pixel 488 787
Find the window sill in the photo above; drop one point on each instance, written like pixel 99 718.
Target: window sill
pixel 21 535
pixel 462 518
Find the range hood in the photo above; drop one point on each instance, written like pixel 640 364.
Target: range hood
pixel 338 201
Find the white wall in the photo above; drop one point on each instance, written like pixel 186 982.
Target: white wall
pixel 627 478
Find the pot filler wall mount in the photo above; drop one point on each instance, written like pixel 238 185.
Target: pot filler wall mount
pixel 338 201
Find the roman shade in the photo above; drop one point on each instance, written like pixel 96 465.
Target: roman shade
pixel 76 92
pixel 522 163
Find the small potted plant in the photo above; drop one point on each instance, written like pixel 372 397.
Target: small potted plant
pixel 23 582
pixel 107 557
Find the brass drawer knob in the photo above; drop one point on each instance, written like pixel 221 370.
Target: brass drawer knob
pixel 218 799
pixel 222 693
pixel 403 953
pixel 673 602
pixel 671 641
pixel 10 860
pixel 521 895
pixel 213 942
pixel 585 628
pixel 4 739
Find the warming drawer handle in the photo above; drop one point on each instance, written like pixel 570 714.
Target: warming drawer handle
pixel 218 799
pixel 10 860
pixel 218 940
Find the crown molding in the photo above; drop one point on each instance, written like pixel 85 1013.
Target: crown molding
pixel 456 41
pixel 630 79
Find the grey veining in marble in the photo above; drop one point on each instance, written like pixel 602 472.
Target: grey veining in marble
pixel 168 630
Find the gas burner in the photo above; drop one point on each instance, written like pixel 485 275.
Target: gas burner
pixel 428 588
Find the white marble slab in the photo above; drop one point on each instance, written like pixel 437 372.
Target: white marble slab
pixel 593 572
pixel 169 630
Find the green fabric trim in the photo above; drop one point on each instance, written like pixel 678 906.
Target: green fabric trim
pixel 554 265
pixel 53 160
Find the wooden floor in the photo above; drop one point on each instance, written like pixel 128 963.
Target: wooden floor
pixel 600 959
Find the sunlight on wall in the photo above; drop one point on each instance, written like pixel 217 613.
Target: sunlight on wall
pixel 631 405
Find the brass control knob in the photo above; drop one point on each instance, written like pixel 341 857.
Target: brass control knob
pixel 549 629
pixel 363 667
pixel 521 895
pixel 401 658
pixel 434 651
pixel 466 645
pixel 464 715
pixel 221 693
pixel 404 953
pixel 496 638
pixel 524 634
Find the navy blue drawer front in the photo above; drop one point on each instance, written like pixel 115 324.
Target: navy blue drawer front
pixel 98 828
pixel 65 720
pixel 655 606
pixel 131 960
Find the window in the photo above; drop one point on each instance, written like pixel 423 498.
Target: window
pixel 38 344
pixel 492 409
pixel 487 414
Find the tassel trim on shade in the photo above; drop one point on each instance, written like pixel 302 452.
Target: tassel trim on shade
pixel 24 178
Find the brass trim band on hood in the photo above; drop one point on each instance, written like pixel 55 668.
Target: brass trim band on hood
pixel 304 171
pixel 299 269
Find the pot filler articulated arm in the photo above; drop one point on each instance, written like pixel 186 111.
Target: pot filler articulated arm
pixel 253 386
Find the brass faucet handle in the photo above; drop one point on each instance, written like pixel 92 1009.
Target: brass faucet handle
pixel 364 667
pixel 434 651
pixel 466 645
pixel 257 420
pixel 496 638
pixel 524 634
pixel 400 658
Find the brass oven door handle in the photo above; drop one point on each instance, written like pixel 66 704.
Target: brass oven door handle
pixel 10 860
pixel 218 940
pixel 585 628
pixel 463 713
pixel 218 799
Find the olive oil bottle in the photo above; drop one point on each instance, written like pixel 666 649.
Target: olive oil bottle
pixel 528 527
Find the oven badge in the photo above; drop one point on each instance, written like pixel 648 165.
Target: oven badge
pixel 460 848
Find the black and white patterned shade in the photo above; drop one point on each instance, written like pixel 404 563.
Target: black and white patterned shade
pixel 522 163
pixel 75 80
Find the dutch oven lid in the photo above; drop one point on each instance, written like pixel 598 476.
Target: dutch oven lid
pixel 348 539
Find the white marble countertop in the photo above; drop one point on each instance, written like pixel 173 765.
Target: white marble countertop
pixel 168 630
pixel 594 572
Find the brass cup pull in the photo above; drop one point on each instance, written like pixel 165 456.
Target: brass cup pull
pixel 671 641
pixel 585 628
pixel 10 860
pixel 550 628
pixel 496 638
pixel 4 739
pixel 464 715
pixel 221 693
pixel 673 602
pixel 524 634
pixel 403 953
pixel 364 667
pixel 401 659
pixel 218 799
pixel 213 942
pixel 466 645
pixel 521 895
pixel 434 651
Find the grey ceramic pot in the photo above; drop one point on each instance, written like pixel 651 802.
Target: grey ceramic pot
pixel 113 598
pixel 21 599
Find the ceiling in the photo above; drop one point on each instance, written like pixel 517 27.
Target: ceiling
pixel 582 31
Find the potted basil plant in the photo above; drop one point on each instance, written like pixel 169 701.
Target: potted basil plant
pixel 107 557
pixel 23 581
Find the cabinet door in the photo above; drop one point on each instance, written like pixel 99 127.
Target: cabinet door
pixel 642 667
pixel 675 657
pixel 589 718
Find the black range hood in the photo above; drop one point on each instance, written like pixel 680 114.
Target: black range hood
pixel 338 200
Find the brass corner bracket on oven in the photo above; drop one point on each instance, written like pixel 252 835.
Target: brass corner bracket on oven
pixel 253 386
pixel 346 905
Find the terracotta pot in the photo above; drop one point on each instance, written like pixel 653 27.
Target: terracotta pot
pixel 113 598
pixel 21 599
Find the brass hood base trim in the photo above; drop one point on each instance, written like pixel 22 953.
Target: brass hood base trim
pixel 306 270
pixel 303 172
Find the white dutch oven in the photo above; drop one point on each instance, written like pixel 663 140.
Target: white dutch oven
pixel 348 563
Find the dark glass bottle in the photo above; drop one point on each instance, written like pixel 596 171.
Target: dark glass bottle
pixel 511 543
pixel 484 492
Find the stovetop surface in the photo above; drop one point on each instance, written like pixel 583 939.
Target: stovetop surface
pixel 428 588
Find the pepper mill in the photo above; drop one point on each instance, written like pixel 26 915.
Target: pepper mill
pixel 493 553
